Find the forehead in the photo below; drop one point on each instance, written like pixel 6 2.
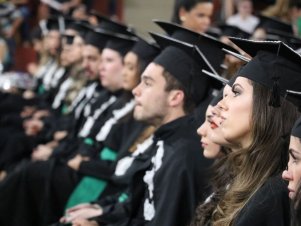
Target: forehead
pixel 78 40
pixel 110 53
pixel 131 57
pixel 245 82
pixel 91 50
pixel 295 144
pixel 154 71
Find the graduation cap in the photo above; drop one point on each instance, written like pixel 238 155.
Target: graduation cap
pixel 53 23
pixel 273 24
pixel 294 97
pixel 68 39
pixel 109 25
pixel 210 46
pixel 184 61
pixel 118 42
pixel 289 39
pixel 233 31
pixel 296 130
pixel 274 65
pixel 96 38
pixel 145 51
pixel 80 26
pixel 36 33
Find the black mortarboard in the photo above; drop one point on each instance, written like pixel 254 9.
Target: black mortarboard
pixel 233 31
pixel 296 131
pixel 109 25
pixel 273 24
pixel 96 38
pixel 68 39
pixel 79 26
pixel 145 51
pixel 274 65
pixel 294 97
pixel 287 38
pixel 237 55
pixel 184 61
pixel 55 23
pixel 36 33
pixel 118 42
pixel 210 46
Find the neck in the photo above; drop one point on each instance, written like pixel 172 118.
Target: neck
pixel 169 117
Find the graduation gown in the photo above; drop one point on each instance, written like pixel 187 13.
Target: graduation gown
pixel 268 207
pixel 169 182
pixel 50 183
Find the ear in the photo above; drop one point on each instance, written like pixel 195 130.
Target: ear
pixel 176 98
pixel 182 14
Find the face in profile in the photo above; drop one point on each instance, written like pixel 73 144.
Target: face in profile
pixel 293 172
pixel 110 70
pixel 130 71
pixel 150 96
pixel 236 113
pixel 211 149
pixel 198 18
pixel 91 61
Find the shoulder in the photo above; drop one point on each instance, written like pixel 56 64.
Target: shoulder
pixel 268 206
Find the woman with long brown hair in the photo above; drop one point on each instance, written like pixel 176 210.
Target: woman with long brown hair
pixel 256 120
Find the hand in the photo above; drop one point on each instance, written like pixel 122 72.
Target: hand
pixel 42 153
pixel 32 68
pixel 59 135
pixel 40 114
pixel 28 94
pixel 76 161
pixel 83 222
pixel 3 174
pixel 82 211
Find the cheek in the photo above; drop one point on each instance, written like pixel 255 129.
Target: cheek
pixel 297 173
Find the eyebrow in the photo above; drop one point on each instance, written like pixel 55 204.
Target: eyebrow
pixel 147 77
pixel 294 153
pixel 237 84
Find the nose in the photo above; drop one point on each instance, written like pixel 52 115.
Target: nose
pixel 216 111
pixel 221 105
pixel 201 131
pixel 84 63
pixel 286 175
pixel 136 91
pixel 100 67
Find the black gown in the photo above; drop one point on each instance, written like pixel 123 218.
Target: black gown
pixel 49 185
pixel 179 181
pixel 268 207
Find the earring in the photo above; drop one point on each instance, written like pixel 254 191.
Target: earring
pixel 182 18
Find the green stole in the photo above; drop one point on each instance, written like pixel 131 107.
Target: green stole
pixel 90 188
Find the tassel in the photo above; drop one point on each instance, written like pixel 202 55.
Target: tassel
pixel 275 97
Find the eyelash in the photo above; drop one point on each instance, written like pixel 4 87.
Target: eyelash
pixel 146 83
pixel 236 93
pixel 294 159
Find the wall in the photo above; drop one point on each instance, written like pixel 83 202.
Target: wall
pixel 139 14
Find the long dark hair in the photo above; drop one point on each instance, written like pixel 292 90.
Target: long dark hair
pixel 252 166
pixel 187 5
